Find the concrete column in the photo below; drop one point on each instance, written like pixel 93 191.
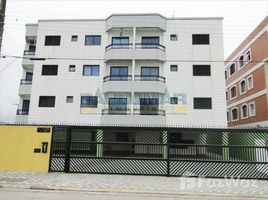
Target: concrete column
pixel 134 37
pixel 99 138
pixel 132 92
pixel 225 150
pixel 165 141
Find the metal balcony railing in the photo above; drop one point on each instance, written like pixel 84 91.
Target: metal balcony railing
pixel 117 78
pixel 149 46
pixel 149 78
pixel 28 53
pixel 119 46
pixel 149 112
pixel 116 112
pixel 22 112
pixel 25 82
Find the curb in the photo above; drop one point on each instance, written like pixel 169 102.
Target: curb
pixel 132 192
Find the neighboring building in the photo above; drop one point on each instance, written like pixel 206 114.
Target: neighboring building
pixel 247 80
pixel 127 69
pixel 2 20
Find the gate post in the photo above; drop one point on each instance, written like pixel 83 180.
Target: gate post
pixel 225 142
pixel 166 150
pixel 99 138
pixel 68 150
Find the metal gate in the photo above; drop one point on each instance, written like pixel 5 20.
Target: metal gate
pixel 239 153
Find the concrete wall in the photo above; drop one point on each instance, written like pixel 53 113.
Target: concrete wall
pixel 17 144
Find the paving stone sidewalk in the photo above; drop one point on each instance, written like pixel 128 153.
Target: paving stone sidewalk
pixel 135 184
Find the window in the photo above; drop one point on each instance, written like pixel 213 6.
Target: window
pixel 149 71
pixel 69 99
pixel 234 114
pixel 243 88
pixel 199 39
pixel 173 37
pixel 202 103
pixel 227 95
pixel 252 109
pixel 53 40
pixel 91 70
pixel 47 101
pixel 233 92
pixel 49 70
pixel 232 69
pixel 201 70
pixel 173 68
pixel 74 38
pixel 241 61
pixel 71 68
pixel 93 40
pixel 149 40
pixel 250 82
pixel 120 43
pixel 29 76
pixel 248 56
pixel 118 106
pixel 149 106
pixel 226 75
pixel 173 100
pixel 228 116
pixel 244 111
pixel 32 48
pixel 89 101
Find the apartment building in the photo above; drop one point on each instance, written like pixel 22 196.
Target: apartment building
pixel 135 69
pixel 247 80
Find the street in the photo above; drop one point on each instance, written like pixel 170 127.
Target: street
pixel 22 194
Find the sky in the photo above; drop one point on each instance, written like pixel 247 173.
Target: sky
pixel 240 18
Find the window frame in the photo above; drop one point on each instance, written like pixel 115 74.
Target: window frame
pixel 199 43
pixel 46 38
pixel 240 88
pixel 246 56
pixel 74 36
pixel 194 103
pixel 89 105
pixel 93 44
pixel 52 106
pixel 47 74
pixel 242 112
pixel 249 88
pixel 172 66
pixel 230 91
pixel 231 74
pixel 239 61
pixel 69 97
pixel 202 71
pixel 90 66
pixel 232 119
pixel 249 109
pixel 175 36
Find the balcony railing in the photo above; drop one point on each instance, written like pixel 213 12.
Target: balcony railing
pixel 22 112
pixel 116 112
pixel 117 78
pixel 150 46
pixel 29 53
pixel 119 46
pixel 150 78
pixel 25 82
pixel 149 112
pixel 137 46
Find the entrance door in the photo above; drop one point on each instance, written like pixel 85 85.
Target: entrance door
pixel 119 73
pixel 118 106
pixel 149 73
pixel 150 42
pixel 120 42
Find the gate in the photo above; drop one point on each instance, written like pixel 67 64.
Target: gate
pixel 239 153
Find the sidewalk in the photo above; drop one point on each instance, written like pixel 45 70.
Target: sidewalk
pixel 135 184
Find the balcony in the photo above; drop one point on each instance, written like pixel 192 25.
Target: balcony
pixel 26 61
pixel 116 112
pixel 25 87
pixel 140 52
pixel 149 112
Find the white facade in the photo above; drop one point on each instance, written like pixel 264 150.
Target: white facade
pixel 181 83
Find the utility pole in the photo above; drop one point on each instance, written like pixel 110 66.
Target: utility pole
pixel 2 19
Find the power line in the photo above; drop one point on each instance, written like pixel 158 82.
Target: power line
pixel 102 59
pixel 6 66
